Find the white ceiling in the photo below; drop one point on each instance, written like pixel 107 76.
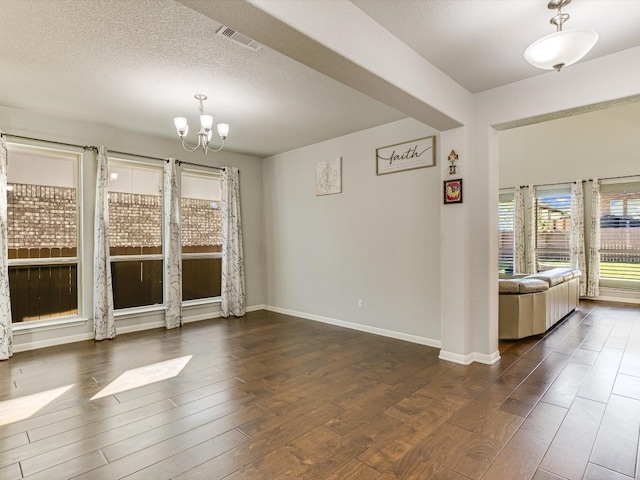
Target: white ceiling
pixel 136 64
pixel 479 43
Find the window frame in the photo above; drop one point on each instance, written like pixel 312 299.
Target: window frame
pixel 506 198
pixel 555 191
pixel 141 163
pixel 69 152
pixel 607 188
pixel 206 173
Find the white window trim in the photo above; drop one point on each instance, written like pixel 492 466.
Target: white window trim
pixel 19 262
pixel 202 255
pixel 618 284
pixel 149 164
pixel 208 174
pixel 48 324
pixel 202 301
pixel 71 320
pixel 136 258
pixel 555 190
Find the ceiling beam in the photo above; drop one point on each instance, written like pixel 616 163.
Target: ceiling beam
pixel 371 60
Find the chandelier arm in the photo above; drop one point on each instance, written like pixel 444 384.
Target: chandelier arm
pixel 207 148
pixel 188 147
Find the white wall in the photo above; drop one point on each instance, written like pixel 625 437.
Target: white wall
pixel 376 241
pixel 603 143
pixel 588 83
pixel 20 122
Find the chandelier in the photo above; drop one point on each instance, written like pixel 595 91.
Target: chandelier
pixel 563 47
pixel 205 133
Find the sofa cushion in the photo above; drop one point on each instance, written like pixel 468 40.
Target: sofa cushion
pixel 509 287
pixel 533 285
pixel 522 286
pixel 553 276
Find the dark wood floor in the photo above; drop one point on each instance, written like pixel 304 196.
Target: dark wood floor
pixel 275 397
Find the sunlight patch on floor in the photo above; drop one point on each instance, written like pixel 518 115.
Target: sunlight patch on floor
pixel 20 408
pixel 139 377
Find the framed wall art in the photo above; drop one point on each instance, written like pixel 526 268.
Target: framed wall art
pixel 329 176
pixel 410 155
pixel 453 191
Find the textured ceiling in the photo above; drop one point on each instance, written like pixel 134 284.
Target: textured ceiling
pixel 136 64
pixel 480 43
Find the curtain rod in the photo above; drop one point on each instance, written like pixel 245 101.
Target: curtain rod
pixel 86 147
pixel 180 162
pixel 115 152
pixel 575 181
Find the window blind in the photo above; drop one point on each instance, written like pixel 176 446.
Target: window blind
pixel 553 227
pixel 620 234
pixel 505 239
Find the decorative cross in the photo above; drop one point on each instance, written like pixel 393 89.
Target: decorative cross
pixel 453 156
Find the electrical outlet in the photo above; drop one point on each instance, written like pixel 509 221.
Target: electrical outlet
pixel 360 303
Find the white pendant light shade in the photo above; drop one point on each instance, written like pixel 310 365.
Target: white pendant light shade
pixel 223 130
pixel 181 125
pixel 560 49
pixel 206 121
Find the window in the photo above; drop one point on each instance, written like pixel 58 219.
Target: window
pixel 506 212
pixel 620 234
pixel 553 227
pixel 135 233
pixel 201 235
pixel 43 231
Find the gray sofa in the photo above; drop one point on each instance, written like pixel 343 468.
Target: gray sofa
pixel 532 304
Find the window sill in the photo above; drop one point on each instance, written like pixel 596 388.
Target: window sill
pixel 626 295
pixel 202 301
pixel 50 324
pixel 136 311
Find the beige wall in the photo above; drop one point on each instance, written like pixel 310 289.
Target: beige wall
pixel 376 241
pixel 603 143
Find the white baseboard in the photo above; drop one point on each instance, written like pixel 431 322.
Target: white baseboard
pixel 618 295
pixel 470 358
pixel 430 342
pixel 615 299
pixel 52 342
pixel 487 359
pixel 209 316
pixel 456 357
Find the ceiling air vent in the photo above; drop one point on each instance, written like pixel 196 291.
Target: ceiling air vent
pixel 239 38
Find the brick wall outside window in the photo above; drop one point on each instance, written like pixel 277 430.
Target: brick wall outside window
pixel 46 218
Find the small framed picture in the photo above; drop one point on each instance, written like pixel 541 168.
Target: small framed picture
pixel 329 176
pixel 453 191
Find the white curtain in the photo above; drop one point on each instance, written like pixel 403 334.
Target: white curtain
pixel 593 275
pixel 6 336
pixel 172 246
pixel 576 238
pixel 233 291
pixel 532 264
pixel 519 232
pixel 104 324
